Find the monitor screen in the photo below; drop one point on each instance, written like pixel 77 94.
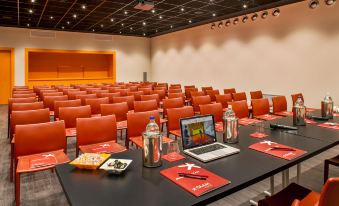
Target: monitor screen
pixel 197 131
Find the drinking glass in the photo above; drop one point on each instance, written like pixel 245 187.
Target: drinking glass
pixel 259 127
pixel 173 149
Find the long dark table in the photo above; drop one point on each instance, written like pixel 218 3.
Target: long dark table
pixel 145 186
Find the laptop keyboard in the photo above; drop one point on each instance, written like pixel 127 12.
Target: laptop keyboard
pixel 207 149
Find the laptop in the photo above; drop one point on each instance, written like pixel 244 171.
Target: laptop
pixel 199 139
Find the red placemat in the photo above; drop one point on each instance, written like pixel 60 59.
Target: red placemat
pixel 268 117
pixel 309 121
pixel 330 125
pixel 42 161
pixel 284 113
pixel 248 121
pixel 197 187
pixel 219 127
pixel 172 157
pixel 335 114
pixel 258 135
pixel 277 150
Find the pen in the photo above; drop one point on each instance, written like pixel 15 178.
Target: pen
pixel 193 176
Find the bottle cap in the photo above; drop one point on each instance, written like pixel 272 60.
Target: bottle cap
pixel 229 106
pixel 151 118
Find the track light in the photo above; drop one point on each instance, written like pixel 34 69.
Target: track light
pixel 244 19
pixel 235 21
pixel 313 4
pixel 220 24
pixel 254 17
pixel 227 23
pixel 213 26
pixel 264 15
pixel 276 12
pixel 330 2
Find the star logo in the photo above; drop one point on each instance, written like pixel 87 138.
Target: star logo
pixel 189 166
pixel 104 145
pixel 48 155
pixel 267 142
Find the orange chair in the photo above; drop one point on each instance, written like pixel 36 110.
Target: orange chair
pixel 176 95
pixel 99 92
pixel 70 115
pixel 120 110
pixel 49 101
pixel 23 95
pixel 212 94
pixel 172 103
pixel 260 107
pixel 151 97
pixel 20 87
pixel 214 109
pixel 177 86
pixel 160 93
pixel 224 99
pixel 146 91
pixel 72 94
pixel 205 89
pixel 42 92
pixel 229 91
pixel 65 103
pixel 256 94
pixel 199 100
pixel 123 92
pixel 83 97
pixel 136 94
pixel 95 104
pixel 43 95
pixel 52 145
pixel 240 109
pixel 175 90
pixel 143 106
pixel 188 92
pixel 132 89
pixel 174 115
pixel 279 104
pixel 97 135
pixel 67 91
pixel 189 87
pixel 128 99
pixel 295 97
pixel 26 91
pixel 109 95
pixel 27 106
pixel 297 195
pixel 197 93
pixel 239 96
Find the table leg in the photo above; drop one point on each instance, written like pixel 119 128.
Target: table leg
pixel 298 172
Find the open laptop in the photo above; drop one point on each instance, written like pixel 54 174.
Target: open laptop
pixel 199 139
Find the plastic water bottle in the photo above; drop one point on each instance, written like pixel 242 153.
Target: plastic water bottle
pixel 299 112
pixel 229 113
pixel 152 126
pixel 231 132
pixel 327 106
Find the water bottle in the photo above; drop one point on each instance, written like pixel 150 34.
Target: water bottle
pixel 327 107
pixel 231 132
pixel 152 145
pixel 152 126
pixel 299 113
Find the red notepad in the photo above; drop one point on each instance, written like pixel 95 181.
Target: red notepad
pixel 247 121
pixel 172 157
pixel 277 150
pixel 43 160
pixel 197 187
pixel 330 125
pixel 258 135
pixel 108 148
pixel 335 114
pixel 309 121
pixel 268 117
pixel 284 113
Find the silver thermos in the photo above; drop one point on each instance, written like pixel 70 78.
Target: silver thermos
pixel 152 149
pixel 327 107
pixel 231 127
pixel 299 113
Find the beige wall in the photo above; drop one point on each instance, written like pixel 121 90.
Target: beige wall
pixel 296 52
pixel 133 53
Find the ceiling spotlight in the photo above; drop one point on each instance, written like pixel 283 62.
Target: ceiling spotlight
pixel 160 17
pixel 144 34
pixel 120 32
pixel 264 15
pixel 153 11
pixel 62 27
pixel 330 2
pixel 101 25
pixel 276 12
pixel 30 11
pixel 171 26
pixel 74 16
pixel 51 17
pixel 83 6
pixel 156 30
pixel 244 6
pixel 227 23
pixel 254 17
pixel 122 24
pixel 189 21
pixel 213 14
pixel 28 25
pixel 112 19
pixel 93 30
pixel 182 9
pixel 68 22
pixel 32 1
pixel 244 19
pixel 220 24
pixel 131 28
pixel 313 4
pixel 213 26
pixel 144 23
pixel 125 12
pixel 235 21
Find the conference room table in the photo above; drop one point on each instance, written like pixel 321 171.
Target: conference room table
pixel 139 185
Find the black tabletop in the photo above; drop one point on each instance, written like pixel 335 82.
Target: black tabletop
pixel 146 186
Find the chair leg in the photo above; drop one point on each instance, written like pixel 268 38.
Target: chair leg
pixel 12 162
pixel 17 189
pixel 326 166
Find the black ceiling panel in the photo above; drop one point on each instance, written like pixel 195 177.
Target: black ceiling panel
pixel 119 16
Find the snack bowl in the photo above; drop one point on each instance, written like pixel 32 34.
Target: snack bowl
pixel 90 161
pixel 116 166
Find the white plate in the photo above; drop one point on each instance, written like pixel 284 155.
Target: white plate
pixel 112 169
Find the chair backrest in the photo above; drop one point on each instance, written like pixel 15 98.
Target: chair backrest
pixel 23 95
pixel 175 86
pixel 205 89
pixel 161 93
pixel 172 90
pixel 175 114
pixel 123 92
pixel 143 106
pixel 240 108
pixel 214 109
pixel 329 194
pixel 189 86
pixel 49 101
pixel 19 100
pixel 136 94
pixel 109 95
pixel 229 91
pixel 96 129
pixel 260 106
pixel 72 94
pixel 197 93
pixel 279 104
pixel 128 99
pixel 151 97
pixel 147 91
pixel 70 114
pixel 83 97
pixel 26 91
pixel 172 103
pixel 212 94
pixel 256 94
pixel 239 96
pixel 95 104
pixel 99 92
pixel 188 92
pixel 295 97
pixel 68 90
pixel 176 95
pixel 224 99
pixel 40 138
pixel 20 87
pixel 28 117
pixel 199 100
pixel 120 110
pixel 65 103
pixel 137 121
pixel 51 94
pixel 27 106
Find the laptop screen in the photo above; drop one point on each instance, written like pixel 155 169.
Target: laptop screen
pixel 197 131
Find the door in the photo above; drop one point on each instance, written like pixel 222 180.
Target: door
pixel 5 75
